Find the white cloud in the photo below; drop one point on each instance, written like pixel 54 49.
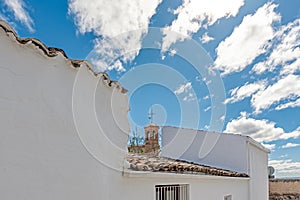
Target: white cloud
pixel 286 88
pixel 292 104
pixel 172 52
pixel 187 90
pixel 183 88
pixel 286 51
pixel 207 109
pixel 120 25
pixel 194 14
pixel 269 146
pixel 286 167
pixel 247 90
pixel 260 130
pixel 20 14
pixel 2 17
pixel 247 41
pixel 206 38
pixel 206 97
pixel 290 145
pixel 189 97
pixel 284 156
pixel 222 118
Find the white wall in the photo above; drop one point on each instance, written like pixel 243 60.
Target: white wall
pixel 201 187
pixel 258 172
pixel 42 156
pixel 226 151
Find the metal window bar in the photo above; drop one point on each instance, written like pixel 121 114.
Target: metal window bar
pixel 172 192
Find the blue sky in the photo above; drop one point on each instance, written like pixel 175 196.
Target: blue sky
pixel 229 66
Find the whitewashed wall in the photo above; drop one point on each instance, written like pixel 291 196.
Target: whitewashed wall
pixel 223 150
pixel 258 172
pixel 201 187
pixel 226 151
pixel 42 156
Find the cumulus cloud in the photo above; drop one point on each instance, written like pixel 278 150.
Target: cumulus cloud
pixel 20 13
pixel 189 97
pixel 290 145
pixel 187 90
pixel 287 88
pixel 286 167
pixel 260 130
pixel 120 26
pixel 269 146
pixel 247 90
pixel 206 38
pixel 247 41
pixel 194 14
pixel 286 51
pixel 183 88
pixel 292 104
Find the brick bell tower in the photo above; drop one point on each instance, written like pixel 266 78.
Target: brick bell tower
pixel 151 136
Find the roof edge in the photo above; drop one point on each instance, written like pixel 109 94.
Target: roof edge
pixel 53 52
pixel 149 174
pixel 257 144
pixel 248 138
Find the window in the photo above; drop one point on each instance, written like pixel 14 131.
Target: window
pixel 228 197
pixel 172 192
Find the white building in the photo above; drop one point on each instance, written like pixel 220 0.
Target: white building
pixel 64 133
pixel 226 151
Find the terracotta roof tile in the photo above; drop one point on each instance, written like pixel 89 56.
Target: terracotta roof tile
pixel 160 164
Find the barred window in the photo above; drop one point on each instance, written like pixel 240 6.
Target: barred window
pixel 172 192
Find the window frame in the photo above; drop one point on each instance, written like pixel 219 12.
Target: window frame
pixel 172 192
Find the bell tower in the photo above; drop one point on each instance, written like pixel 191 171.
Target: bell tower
pixel 151 138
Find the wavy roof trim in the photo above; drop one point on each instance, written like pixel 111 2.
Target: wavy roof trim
pixel 53 52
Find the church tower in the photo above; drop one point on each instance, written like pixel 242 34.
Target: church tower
pixel 151 138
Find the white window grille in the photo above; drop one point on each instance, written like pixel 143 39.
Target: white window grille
pixel 172 192
pixel 228 197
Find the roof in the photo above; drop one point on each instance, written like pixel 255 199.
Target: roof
pixel 53 52
pixel 139 162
